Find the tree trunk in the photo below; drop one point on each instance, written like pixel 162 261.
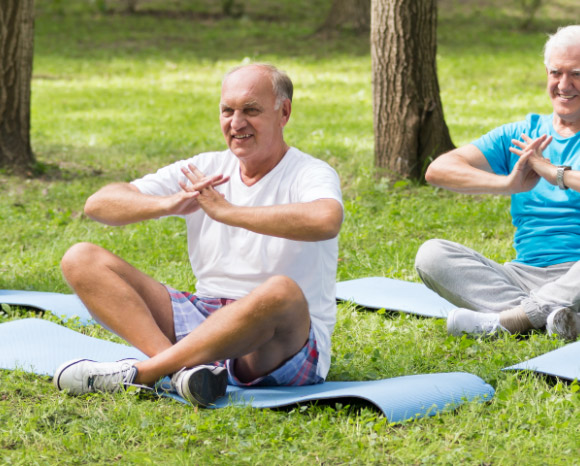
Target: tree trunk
pixel 409 126
pixel 16 45
pixel 348 12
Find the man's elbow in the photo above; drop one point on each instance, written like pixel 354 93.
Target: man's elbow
pixel 96 208
pixel 431 174
pixel 91 207
pixel 331 231
pixel 436 171
pixel 330 223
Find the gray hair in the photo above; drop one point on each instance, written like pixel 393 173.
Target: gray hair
pixel 566 36
pixel 281 83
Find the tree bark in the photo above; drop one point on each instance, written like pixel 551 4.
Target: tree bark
pixel 348 12
pixel 16 50
pixel 408 116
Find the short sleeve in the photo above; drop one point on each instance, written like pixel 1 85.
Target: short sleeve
pixel 495 147
pixel 318 180
pixel 163 182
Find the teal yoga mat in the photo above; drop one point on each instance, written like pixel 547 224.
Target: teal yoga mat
pixel 394 295
pixel 67 305
pixel 40 346
pixel 563 363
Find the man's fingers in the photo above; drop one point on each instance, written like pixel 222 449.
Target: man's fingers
pixel 199 181
pixel 546 143
pixel 207 182
pixel 521 161
pixel 187 188
pixel 518 152
pixel 221 181
pixel 193 174
pixel 529 141
pixel 189 175
pixel 195 171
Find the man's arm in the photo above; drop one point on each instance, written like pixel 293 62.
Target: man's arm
pixel 572 179
pixel 309 221
pixel 122 203
pixel 466 170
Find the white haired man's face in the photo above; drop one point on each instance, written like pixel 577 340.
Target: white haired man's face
pixel 564 83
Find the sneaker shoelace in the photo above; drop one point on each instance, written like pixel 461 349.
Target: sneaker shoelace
pixel 99 380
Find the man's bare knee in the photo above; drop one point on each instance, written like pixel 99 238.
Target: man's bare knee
pixel 284 291
pixel 79 259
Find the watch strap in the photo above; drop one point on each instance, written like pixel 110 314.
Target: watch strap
pixel 560 176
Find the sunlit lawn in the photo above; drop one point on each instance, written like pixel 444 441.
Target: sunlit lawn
pixel 115 97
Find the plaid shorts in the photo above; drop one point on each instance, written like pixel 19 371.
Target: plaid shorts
pixel 190 310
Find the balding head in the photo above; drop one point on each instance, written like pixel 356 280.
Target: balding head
pixel 282 86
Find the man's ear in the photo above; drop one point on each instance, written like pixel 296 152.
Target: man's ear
pixel 286 111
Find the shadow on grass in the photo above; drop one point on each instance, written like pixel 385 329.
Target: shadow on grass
pixel 49 171
pixel 179 38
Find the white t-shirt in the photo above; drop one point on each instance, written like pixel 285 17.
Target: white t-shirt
pixel 229 262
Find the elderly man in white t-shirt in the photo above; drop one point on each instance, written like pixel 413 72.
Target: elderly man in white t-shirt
pixel 262 223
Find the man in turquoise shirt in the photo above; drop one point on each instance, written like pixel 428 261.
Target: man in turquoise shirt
pixel 537 163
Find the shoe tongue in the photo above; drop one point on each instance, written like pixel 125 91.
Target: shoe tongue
pixel 112 382
pixel 129 375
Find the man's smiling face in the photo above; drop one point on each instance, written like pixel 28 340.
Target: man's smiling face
pixel 250 122
pixel 564 83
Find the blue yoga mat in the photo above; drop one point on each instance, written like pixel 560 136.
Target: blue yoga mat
pixel 370 292
pixel 40 346
pixel 394 295
pixel 563 363
pixel 62 305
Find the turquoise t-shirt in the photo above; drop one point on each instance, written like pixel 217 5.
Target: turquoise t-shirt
pixel 547 219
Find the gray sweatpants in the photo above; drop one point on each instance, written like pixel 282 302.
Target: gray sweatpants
pixel 467 279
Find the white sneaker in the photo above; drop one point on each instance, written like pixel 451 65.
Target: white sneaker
pixel 460 321
pixel 81 376
pixel 201 385
pixel 565 323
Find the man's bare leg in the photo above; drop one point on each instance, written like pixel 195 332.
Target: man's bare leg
pixel 122 298
pixel 261 331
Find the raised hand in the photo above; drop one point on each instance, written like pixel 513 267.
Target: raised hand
pixel 530 152
pixel 200 192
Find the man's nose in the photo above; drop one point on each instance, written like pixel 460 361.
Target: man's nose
pixel 238 120
pixel 565 81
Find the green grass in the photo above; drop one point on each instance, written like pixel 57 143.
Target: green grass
pixel 116 96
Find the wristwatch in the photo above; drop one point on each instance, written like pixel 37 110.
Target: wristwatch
pixel 560 175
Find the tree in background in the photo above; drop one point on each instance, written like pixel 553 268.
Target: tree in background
pixel 16 46
pixel 409 126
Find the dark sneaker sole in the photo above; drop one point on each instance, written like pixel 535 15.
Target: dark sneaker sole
pixel 205 386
